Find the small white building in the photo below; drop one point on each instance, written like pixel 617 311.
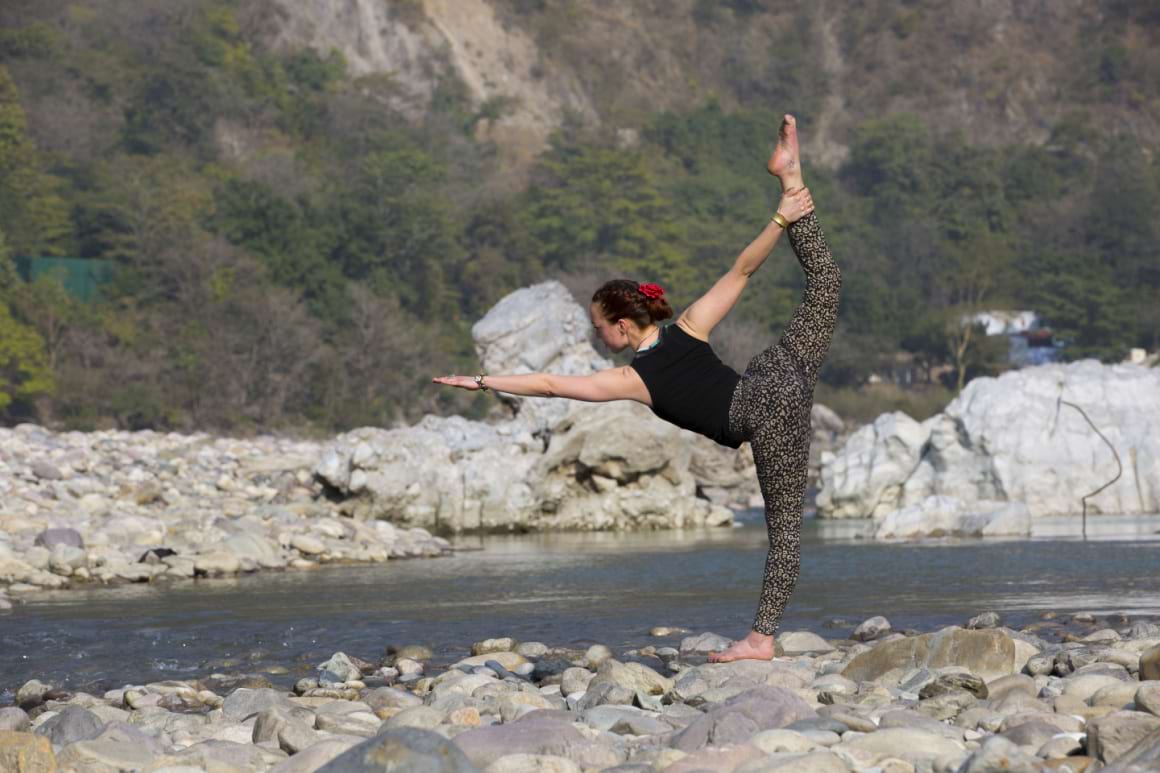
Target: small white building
pixel 1031 343
pixel 1005 322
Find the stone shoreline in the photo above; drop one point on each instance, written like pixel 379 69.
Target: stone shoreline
pixel 115 507
pixel 1065 693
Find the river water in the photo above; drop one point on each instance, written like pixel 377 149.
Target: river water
pixel 567 589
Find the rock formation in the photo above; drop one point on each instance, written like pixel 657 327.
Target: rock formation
pixel 1011 439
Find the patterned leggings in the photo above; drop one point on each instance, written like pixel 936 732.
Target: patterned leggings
pixel 771 408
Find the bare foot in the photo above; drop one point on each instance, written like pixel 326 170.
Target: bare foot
pixel 785 163
pixel 755 646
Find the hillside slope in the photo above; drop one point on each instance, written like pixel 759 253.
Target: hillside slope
pixel 1004 70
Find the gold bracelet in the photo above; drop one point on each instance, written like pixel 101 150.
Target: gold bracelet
pixel 479 382
pixel 780 220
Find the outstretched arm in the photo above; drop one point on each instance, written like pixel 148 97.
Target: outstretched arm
pixel 603 386
pixel 704 314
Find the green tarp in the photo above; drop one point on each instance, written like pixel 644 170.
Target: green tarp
pixel 81 277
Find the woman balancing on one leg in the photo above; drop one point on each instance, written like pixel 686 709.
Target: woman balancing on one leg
pixel 676 373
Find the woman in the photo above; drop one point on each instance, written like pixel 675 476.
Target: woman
pixel 676 373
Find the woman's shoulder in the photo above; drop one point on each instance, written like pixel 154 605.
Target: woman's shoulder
pixel 681 327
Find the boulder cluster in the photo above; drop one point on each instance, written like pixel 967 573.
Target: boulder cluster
pixel 1071 694
pixel 1032 442
pixel 543 463
pixel 142 506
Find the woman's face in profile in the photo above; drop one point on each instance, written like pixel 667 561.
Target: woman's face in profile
pixel 609 333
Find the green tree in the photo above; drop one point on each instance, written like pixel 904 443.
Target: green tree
pixel 24 368
pixel 46 305
pixel 394 228
pixel 8 276
pixel 979 272
pixel 1080 301
pixel 32 212
pixel 889 161
pixel 289 238
pixel 593 208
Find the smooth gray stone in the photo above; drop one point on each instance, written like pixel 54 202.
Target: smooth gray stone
pixel 1143 757
pixel 949 683
pixel 604 717
pixel 550 666
pixel 920 679
pixel 821 737
pixel 270 722
pixel 1005 685
pixel 245 756
pixel 540 736
pixel 912 719
pixel 606 693
pixel 546 715
pixel 640 725
pixel 391 697
pixel 45 470
pixel 1150 664
pixel 13 718
pixel 244 702
pixel 988 654
pixel 500 671
pixel 823 724
pixel 851 720
pixel 1147 697
pixel 50 538
pixel 1142 630
pixel 871 629
pixel 737 719
pixel 311 759
pixel 985 620
pixel 1060 746
pixel 125 733
pixel 1111 736
pixel 1034 733
pixel 72 724
pixel 999 754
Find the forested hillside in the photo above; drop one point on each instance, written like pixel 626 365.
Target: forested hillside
pixel 306 205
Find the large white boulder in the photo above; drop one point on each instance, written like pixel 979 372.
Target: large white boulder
pixel 537 329
pixel 1010 439
pixel 617 466
pixel 556 464
pixel 865 477
pixel 612 466
pixel 448 473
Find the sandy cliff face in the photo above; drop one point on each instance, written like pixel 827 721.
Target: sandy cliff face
pixel 416 44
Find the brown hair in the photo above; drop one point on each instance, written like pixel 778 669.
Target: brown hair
pixel 624 299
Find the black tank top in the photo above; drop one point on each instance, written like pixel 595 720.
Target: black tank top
pixel 688 384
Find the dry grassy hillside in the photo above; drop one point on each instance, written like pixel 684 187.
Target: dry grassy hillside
pixel 1003 70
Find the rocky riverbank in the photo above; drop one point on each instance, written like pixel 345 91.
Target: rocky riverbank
pixel 143 506
pixel 139 507
pixel 1069 694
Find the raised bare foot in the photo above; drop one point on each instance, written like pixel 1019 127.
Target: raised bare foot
pixel 785 163
pixel 755 646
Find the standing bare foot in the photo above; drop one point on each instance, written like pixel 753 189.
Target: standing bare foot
pixel 785 163
pixel 755 646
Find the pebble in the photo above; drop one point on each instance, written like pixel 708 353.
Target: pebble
pixel 872 724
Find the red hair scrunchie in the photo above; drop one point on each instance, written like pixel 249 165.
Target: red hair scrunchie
pixel 651 290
